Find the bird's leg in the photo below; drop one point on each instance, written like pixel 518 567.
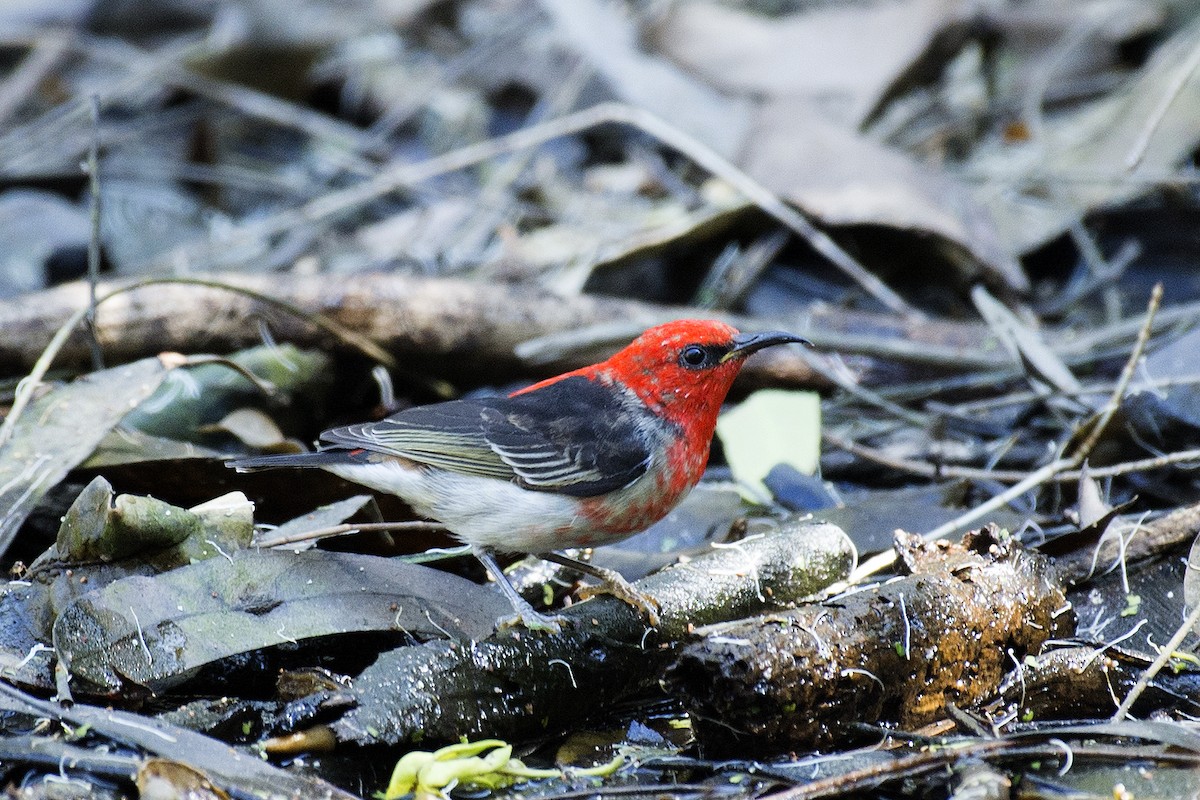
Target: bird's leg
pixel 525 615
pixel 611 583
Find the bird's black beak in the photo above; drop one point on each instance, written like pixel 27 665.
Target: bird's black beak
pixel 746 343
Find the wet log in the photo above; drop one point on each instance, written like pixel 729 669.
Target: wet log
pixel 895 653
pixel 517 684
pixel 1086 682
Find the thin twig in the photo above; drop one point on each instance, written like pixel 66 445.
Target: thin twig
pixel 766 200
pixel 348 528
pixel 1164 655
pixel 264 106
pixel 1026 396
pixel 136 67
pixel 930 470
pixel 93 260
pixel 264 386
pixel 867 780
pixel 1036 177
pixel 29 384
pixel 1114 401
pixel 1081 344
pixel 1081 29
pixel 837 373
pixel 888 557
pixel 45 54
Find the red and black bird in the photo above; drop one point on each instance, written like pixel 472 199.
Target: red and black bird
pixel 586 458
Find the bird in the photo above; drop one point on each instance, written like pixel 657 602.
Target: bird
pixel 586 458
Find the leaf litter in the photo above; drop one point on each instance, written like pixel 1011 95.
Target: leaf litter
pixel 966 209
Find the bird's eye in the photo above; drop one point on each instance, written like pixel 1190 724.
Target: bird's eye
pixel 693 357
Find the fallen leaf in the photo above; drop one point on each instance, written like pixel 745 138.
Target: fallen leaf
pixel 157 631
pixel 771 427
pixel 61 428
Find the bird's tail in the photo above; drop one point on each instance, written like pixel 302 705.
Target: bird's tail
pixel 321 458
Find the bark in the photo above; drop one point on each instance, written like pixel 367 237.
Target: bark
pixel 1089 682
pixel 517 684
pixel 895 653
pixel 458 328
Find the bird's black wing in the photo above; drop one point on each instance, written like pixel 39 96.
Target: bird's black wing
pixel 447 435
pixel 573 436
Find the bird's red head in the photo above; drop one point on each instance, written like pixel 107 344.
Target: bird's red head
pixel 682 370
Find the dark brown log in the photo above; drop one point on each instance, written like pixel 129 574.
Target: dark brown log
pixel 895 653
pixel 1089 682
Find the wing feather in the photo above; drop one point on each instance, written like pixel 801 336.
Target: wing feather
pixel 572 436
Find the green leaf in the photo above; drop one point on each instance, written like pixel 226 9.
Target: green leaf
pixel 770 427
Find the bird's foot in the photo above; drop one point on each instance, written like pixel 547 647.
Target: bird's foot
pixel 531 620
pixel 525 617
pixel 622 589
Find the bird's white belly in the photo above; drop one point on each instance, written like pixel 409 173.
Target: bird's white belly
pixel 480 511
